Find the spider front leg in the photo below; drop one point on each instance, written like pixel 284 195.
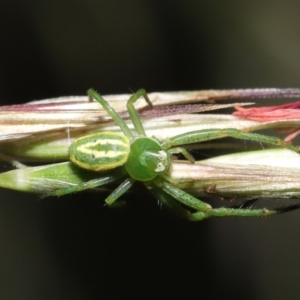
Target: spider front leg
pixel 198 136
pixel 173 204
pixel 182 196
pixel 232 212
pixel 203 210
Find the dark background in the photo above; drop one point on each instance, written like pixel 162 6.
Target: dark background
pixel 74 248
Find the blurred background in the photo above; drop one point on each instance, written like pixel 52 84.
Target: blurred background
pixel 74 248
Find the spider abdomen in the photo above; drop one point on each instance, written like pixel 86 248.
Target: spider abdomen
pixel 100 151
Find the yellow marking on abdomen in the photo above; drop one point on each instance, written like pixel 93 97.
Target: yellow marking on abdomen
pixel 86 148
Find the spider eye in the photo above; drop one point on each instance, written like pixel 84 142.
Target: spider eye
pixel 162 155
pixel 160 168
pixel 163 161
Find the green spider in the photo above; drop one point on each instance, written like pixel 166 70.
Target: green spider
pixel 133 156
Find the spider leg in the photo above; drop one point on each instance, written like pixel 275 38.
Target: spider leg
pixel 118 192
pixel 133 113
pixel 184 152
pixel 115 116
pixel 178 209
pixel 114 176
pixel 233 212
pixel 203 210
pixel 182 196
pixel 211 134
pixel 170 202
